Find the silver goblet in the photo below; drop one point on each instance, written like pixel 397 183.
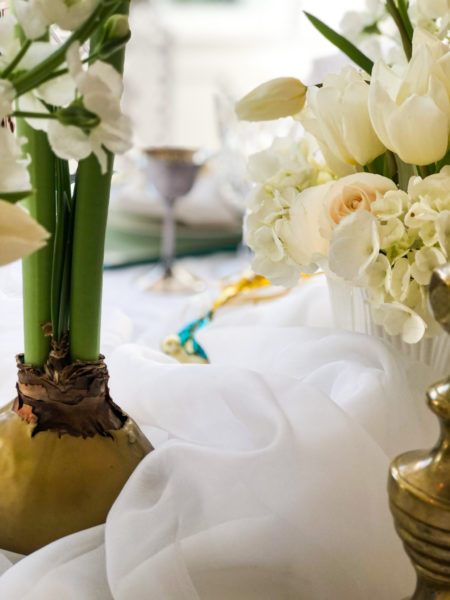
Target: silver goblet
pixel 173 172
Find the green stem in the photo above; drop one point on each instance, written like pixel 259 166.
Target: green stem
pixel 25 114
pixel 406 40
pixel 37 268
pixel 91 212
pixel 403 10
pixel 64 71
pixel 16 60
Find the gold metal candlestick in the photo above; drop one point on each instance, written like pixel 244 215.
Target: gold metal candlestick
pixel 419 481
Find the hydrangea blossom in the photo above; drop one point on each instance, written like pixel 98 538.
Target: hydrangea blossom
pixel 412 230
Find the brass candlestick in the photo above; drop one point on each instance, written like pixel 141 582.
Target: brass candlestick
pixel 419 481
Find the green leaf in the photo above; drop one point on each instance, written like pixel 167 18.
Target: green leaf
pixel 403 10
pixel 14 197
pixel 342 43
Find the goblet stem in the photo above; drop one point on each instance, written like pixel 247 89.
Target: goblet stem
pixel 168 242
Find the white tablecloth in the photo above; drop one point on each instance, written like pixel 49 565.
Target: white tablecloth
pixel 269 475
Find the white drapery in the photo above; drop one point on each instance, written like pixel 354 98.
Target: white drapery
pixel 269 475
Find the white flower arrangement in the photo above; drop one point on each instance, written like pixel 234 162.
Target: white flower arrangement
pixel 373 207
pixel 44 83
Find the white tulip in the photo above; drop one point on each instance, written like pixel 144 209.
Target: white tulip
pixel 411 114
pixel 281 97
pixel 19 233
pixel 355 245
pixel 338 117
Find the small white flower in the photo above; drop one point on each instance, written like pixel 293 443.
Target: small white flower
pixel 9 44
pixel 282 229
pixel 101 88
pixel 19 233
pixel 7 95
pixel 443 232
pixel 32 18
pixel 35 16
pixel 390 206
pixel 355 245
pixel 419 215
pixel 425 260
pixel 391 232
pixel 379 273
pixel 401 277
pixel 428 233
pixel 398 319
pixel 14 175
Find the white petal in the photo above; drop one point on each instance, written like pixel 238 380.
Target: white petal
pixel 68 141
pixel 19 233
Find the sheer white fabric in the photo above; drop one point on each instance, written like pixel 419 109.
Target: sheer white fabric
pixel 269 475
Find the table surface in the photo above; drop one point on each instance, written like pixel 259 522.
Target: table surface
pixel 268 478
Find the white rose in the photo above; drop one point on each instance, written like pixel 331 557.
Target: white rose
pixel 352 193
pixel 420 98
pixel 355 245
pixel 301 232
pixel 338 117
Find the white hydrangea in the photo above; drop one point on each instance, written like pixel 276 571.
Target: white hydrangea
pixel 283 209
pixel 391 249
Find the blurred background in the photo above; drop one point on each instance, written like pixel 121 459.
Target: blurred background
pixel 195 55
pixel 187 64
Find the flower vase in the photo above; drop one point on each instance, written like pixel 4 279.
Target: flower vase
pixel 351 311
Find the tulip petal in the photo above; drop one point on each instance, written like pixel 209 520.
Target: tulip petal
pixel 418 131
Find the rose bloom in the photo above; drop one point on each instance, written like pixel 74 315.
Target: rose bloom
pixel 349 194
